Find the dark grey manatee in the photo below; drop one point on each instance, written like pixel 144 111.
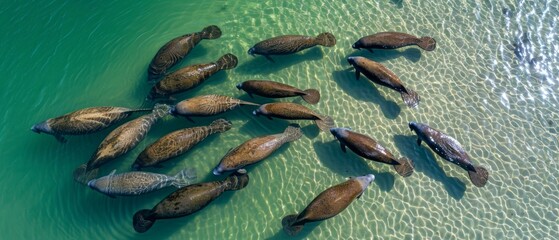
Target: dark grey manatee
pixel 188 200
pixel 271 89
pixel 392 40
pixel 381 75
pixel 288 44
pixel 294 111
pixel 328 203
pixel 177 143
pixel 189 77
pixel 368 148
pixel 175 50
pixel 256 150
pixel 118 142
pixel 83 121
pixel 207 105
pixel 137 183
pixel 450 149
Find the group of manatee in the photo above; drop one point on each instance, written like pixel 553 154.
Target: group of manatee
pixel 189 197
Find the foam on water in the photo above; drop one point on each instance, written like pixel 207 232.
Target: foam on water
pixel 64 56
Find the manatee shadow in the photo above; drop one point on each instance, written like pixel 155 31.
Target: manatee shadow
pixel 261 65
pixel 364 90
pixel 303 234
pixel 350 164
pixel 398 3
pixel 412 54
pixel 425 162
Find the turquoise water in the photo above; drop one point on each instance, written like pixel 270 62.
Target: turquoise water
pixel 66 55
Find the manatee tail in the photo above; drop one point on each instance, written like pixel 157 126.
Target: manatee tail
pixel 220 125
pixel 311 96
pixel 405 168
pixel 140 110
pixel 326 39
pixel 427 43
pixel 410 97
pixel 161 110
pixel 83 175
pixel 227 61
pixel 292 133
pixel 479 177
pixel 211 32
pixel 288 226
pixel 237 180
pixel 184 177
pixel 325 123
pixel 143 220
pixel 248 103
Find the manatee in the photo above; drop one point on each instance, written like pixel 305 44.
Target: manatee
pixel 118 142
pixel 188 200
pixel 392 40
pixel 189 77
pixel 449 149
pixel 175 50
pixel 289 44
pixel 294 111
pixel 381 75
pixel 177 143
pixel 327 204
pixel 256 150
pixel 137 183
pixel 207 105
pixel 84 121
pixel 368 148
pixel 271 89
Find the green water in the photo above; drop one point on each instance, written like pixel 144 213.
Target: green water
pixel 60 56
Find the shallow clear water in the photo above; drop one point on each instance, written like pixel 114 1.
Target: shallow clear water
pixel 61 56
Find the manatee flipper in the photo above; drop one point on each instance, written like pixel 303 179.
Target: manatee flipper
pixel 83 176
pixel 184 177
pixel 357 74
pixel 288 227
pixel 410 97
pixel 427 43
pixel 227 61
pixel 419 141
pixel 479 177
pixel 311 96
pixel 405 167
pixel 269 58
pixel 211 32
pixel 60 138
pixel 142 220
pixel 326 39
pixel 250 95
pixel 342 146
pixel 325 123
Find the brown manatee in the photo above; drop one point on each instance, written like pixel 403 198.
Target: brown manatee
pixel 271 89
pixel 177 143
pixel 188 200
pixel 190 77
pixel 368 148
pixel 289 44
pixel 327 204
pixel 256 149
pixel 118 142
pixel 207 105
pixel 137 183
pixel 450 149
pixel 175 50
pixel 381 75
pixel 84 121
pixel 392 40
pixel 294 111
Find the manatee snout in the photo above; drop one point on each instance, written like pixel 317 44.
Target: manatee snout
pixel 240 86
pixel 351 60
pixel 251 51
